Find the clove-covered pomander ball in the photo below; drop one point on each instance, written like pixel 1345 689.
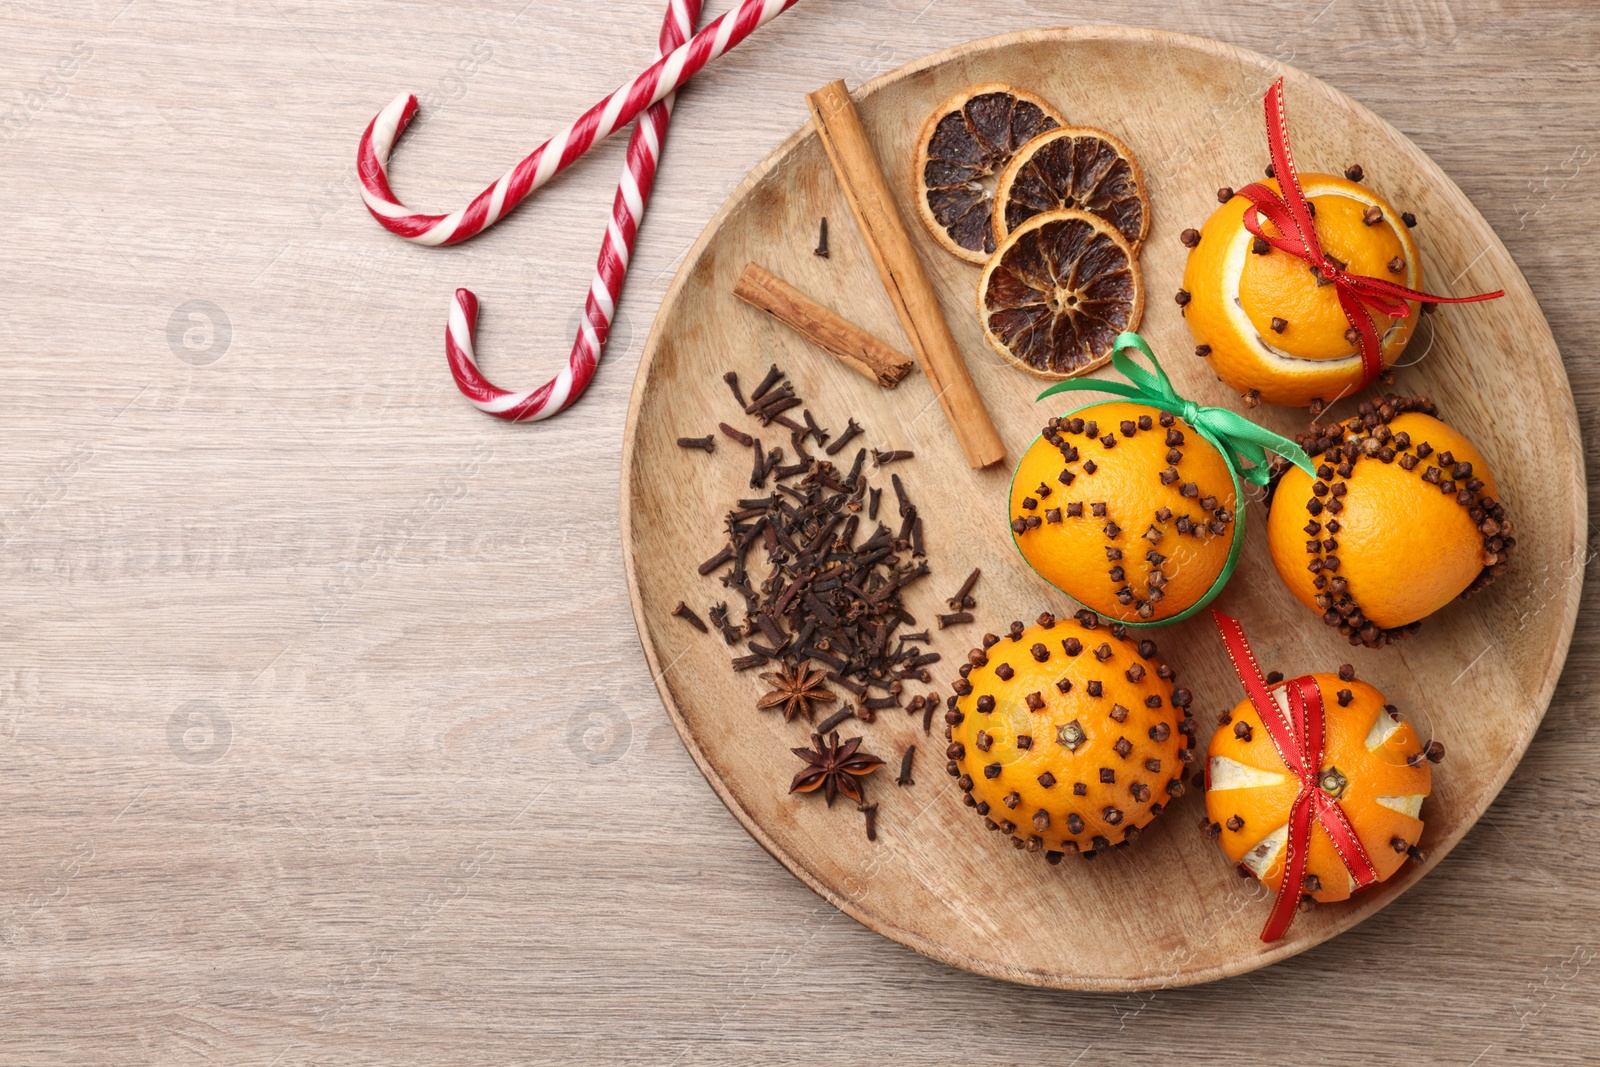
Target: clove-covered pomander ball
pixel 1402 517
pixel 1268 325
pixel 1125 508
pixel 1373 765
pixel 1067 735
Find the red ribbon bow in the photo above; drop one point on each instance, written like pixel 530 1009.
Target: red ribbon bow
pixel 1297 235
pixel 1298 736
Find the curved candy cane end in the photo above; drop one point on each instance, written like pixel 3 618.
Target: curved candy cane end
pixel 385 128
pixel 462 329
pixel 460 334
pixel 398 115
pixel 372 160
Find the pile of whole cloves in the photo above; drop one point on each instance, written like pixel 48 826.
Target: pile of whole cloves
pixel 830 594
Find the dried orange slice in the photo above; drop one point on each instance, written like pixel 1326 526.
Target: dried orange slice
pixel 965 142
pixel 1054 296
pixel 1074 167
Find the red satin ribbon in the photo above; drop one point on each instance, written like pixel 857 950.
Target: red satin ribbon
pixel 1297 235
pixel 1298 737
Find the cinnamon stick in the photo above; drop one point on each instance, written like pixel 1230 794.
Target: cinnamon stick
pixel 844 340
pixel 860 175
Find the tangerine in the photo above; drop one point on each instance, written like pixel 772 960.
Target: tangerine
pixel 1402 517
pixel 1066 737
pixel 1373 764
pixel 1273 328
pixel 1127 509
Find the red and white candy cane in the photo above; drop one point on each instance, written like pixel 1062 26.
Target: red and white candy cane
pixel 679 61
pixel 627 212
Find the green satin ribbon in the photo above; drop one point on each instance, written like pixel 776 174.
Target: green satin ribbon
pixel 1238 437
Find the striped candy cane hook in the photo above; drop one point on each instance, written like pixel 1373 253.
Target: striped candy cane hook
pixel 627 212
pixel 679 57
pixel 555 155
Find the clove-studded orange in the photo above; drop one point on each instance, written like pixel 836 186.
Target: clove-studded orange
pixel 1402 517
pixel 1067 735
pixel 1269 325
pixel 1373 765
pixel 1126 509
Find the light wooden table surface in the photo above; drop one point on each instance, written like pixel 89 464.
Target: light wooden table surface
pixel 325 735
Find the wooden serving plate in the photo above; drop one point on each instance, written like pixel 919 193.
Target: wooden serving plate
pixel 1168 910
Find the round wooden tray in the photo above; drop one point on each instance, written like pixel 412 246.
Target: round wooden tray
pixel 1170 909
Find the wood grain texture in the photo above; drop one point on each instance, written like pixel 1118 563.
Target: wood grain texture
pixel 936 880
pixel 446 818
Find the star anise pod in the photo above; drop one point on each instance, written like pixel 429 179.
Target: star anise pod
pixel 833 767
pixel 796 687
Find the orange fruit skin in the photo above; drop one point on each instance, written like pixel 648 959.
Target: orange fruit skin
pixel 1314 360
pixel 1071 554
pixel 1019 769
pixel 1370 774
pixel 1406 549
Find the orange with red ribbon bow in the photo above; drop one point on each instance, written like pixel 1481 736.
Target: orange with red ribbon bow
pixel 1298 733
pixel 1296 234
